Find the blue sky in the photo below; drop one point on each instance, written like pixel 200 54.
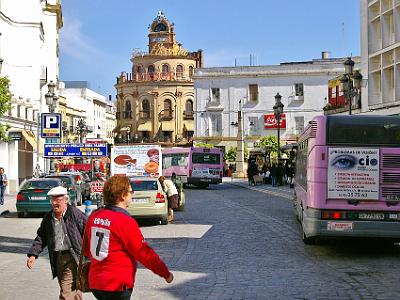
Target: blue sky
pixel 98 35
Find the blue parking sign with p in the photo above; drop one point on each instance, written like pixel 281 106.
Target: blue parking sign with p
pixel 51 125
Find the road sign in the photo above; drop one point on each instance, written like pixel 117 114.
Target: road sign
pixel 77 150
pixel 50 125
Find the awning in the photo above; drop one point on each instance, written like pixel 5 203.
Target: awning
pixel 189 126
pixel 168 126
pixel 30 138
pixel 145 127
pixel 126 128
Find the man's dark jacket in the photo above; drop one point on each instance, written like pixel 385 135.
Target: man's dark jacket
pixel 74 221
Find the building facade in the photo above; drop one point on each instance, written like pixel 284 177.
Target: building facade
pixel 84 105
pixel 220 94
pixel 155 102
pixel 29 58
pixel 380 52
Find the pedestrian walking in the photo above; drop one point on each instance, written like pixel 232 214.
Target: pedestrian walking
pixel 3 185
pixel 114 244
pixel 61 231
pixel 274 174
pixel 172 196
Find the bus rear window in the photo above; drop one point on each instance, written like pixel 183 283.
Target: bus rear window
pixel 371 131
pixel 206 158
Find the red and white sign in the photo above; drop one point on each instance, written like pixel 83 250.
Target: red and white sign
pixel 270 121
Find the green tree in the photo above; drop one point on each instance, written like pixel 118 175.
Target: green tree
pixel 231 154
pixel 271 143
pixel 5 105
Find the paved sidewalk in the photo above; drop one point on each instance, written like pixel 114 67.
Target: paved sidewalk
pixel 9 203
pixel 282 191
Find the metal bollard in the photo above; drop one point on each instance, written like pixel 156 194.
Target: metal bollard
pixel 88 210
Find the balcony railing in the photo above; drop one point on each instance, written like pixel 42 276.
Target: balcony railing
pixel 127 114
pixel 166 115
pixel 145 114
pixel 188 115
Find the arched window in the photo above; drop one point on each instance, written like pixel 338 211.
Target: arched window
pixel 167 108
pixel 139 70
pixel 191 71
pixel 150 70
pixel 179 72
pixel 165 68
pixel 189 106
pixel 128 110
pixel 145 109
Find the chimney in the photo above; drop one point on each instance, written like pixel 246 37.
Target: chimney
pixel 325 55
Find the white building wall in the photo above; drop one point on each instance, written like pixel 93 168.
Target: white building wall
pixel 234 86
pixel 28 41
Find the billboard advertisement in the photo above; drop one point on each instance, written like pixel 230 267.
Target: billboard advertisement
pixel 271 123
pixel 75 150
pixel 353 173
pixel 136 160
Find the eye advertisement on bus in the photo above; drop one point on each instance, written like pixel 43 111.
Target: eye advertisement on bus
pixel 353 173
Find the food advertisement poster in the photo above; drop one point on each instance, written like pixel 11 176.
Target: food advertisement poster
pixel 353 173
pixel 138 160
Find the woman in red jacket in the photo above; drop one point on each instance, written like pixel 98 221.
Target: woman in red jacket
pixel 115 244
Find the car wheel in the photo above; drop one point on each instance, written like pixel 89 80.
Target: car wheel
pixel 21 214
pixel 164 221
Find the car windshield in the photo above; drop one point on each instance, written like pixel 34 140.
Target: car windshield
pixel 144 185
pixel 67 180
pixel 40 184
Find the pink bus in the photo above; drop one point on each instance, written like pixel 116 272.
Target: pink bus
pixel 347 180
pixel 197 166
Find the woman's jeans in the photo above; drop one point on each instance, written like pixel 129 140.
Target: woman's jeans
pixel 2 193
pixel 273 180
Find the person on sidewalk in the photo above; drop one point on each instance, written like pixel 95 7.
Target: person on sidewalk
pixel 172 196
pixel 61 231
pixel 274 174
pixel 3 185
pixel 114 244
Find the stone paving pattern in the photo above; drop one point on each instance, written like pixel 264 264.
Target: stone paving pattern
pixel 232 242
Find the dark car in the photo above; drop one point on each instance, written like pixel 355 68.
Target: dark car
pixel 74 189
pixel 32 195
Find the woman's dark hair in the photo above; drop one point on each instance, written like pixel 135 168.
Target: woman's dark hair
pixel 114 188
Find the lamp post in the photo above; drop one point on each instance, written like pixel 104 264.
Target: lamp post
pixel 82 129
pixel 240 143
pixel 51 102
pixel 351 82
pixel 278 110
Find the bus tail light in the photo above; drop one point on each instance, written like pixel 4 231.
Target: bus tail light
pixel 21 197
pixel 335 215
pixel 160 198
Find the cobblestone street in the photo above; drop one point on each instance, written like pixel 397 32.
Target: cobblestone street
pixel 232 242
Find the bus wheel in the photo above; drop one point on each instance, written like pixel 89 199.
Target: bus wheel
pixel 309 240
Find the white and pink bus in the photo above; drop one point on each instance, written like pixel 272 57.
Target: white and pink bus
pixel 347 180
pixel 196 166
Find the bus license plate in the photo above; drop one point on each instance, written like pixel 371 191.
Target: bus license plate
pixel 205 179
pixel 371 216
pixel 340 226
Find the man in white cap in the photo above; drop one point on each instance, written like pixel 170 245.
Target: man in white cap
pixel 61 231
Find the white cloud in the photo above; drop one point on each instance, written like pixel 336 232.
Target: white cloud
pixel 75 44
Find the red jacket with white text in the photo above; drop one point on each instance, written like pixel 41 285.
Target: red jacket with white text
pixel 114 244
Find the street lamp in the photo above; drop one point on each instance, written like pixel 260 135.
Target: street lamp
pixel 82 129
pixel 51 98
pixel 240 143
pixel 351 82
pixel 278 110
